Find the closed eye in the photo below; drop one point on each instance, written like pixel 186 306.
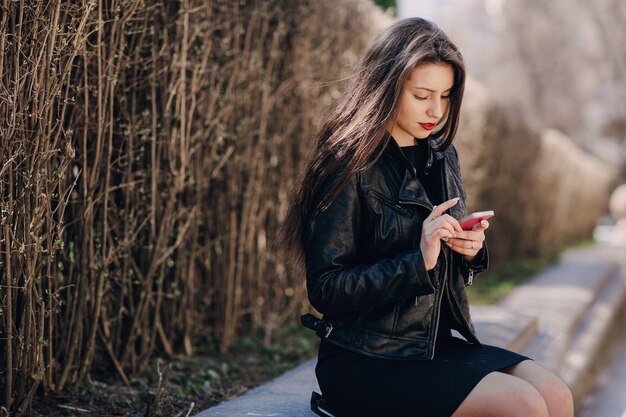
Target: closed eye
pixel 426 98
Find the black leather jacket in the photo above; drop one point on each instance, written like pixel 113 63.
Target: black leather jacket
pixel 364 267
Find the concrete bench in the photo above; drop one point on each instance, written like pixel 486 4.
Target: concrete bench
pixel 562 317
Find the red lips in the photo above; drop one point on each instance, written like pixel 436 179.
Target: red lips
pixel 428 126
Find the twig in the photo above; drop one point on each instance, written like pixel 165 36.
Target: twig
pixel 190 408
pixel 82 410
pixel 159 389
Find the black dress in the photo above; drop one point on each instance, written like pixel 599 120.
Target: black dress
pixel 357 385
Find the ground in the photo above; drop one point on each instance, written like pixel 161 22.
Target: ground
pixel 188 383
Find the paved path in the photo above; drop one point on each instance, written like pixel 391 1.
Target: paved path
pixel 289 395
pixel 609 399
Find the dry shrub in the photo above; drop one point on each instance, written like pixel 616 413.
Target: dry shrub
pixel 146 151
pixel 546 192
pixel 617 203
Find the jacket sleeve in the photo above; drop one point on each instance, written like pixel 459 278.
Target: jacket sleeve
pixel 478 265
pixel 481 262
pixel 337 280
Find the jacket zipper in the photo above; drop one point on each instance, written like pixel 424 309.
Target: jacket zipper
pixel 443 289
pixel 416 203
pixel 470 278
pixel 463 318
pixel 445 281
pixel 427 207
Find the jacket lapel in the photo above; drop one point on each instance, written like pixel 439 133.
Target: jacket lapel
pixel 411 190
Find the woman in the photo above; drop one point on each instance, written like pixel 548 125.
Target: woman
pixel 375 217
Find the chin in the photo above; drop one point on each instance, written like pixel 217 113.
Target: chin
pixel 421 135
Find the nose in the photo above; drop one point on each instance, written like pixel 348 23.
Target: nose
pixel 435 110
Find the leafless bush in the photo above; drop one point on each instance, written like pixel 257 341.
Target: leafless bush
pixel 617 203
pixel 146 151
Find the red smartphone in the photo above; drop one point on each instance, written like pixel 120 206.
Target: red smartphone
pixel 470 220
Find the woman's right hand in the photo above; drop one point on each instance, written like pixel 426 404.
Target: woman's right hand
pixel 437 226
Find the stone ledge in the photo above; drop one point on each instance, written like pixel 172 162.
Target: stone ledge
pixel 561 297
pixel 286 396
pixel 593 337
pixel 500 326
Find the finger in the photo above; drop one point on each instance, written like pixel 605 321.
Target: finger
pixel 473 247
pixel 477 235
pixel 452 221
pixel 440 209
pixel 462 249
pixel 446 221
pixel 440 234
pixel 443 223
pixel 458 249
pixel 483 225
pixel 466 244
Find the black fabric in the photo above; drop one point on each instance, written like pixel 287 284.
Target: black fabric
pixel 354 384
pixel 431 179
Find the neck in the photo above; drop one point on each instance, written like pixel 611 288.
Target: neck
pixel 402 138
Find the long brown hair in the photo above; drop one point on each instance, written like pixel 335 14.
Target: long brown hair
pixel 355 134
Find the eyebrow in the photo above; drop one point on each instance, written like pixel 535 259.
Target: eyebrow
pixel 428 89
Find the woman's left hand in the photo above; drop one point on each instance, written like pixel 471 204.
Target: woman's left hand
pixel 469 242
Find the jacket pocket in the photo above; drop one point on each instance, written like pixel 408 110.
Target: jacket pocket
pixel 415 316
pixel 379 319
pixel 390 203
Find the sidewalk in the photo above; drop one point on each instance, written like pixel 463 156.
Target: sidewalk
pixel 609 398
pixel 565 317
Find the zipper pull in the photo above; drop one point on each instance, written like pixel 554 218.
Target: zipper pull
pixel 470 279
pixel 416 300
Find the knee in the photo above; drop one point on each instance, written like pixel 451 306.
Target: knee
pixel 529 402
pixel 557 395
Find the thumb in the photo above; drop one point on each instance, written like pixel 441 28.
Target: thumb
pixel 483 225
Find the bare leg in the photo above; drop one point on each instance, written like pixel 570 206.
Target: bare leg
pixel 556 394
pixel 499 394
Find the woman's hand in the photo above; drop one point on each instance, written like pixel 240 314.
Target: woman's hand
pixel 469 242
pixel 438 226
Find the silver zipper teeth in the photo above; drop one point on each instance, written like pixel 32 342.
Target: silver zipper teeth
pixel 464 319
pixel 443 288
pixel 432 355
pixel 445 258
pixel 416 204
pixel 470 279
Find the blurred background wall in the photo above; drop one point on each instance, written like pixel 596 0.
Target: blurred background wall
pixel 560 64
pixel 543 73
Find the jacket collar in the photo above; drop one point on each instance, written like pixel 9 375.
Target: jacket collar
pixel 412 190
pixel 393 149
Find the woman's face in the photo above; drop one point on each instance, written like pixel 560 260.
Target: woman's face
pixel 424 102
